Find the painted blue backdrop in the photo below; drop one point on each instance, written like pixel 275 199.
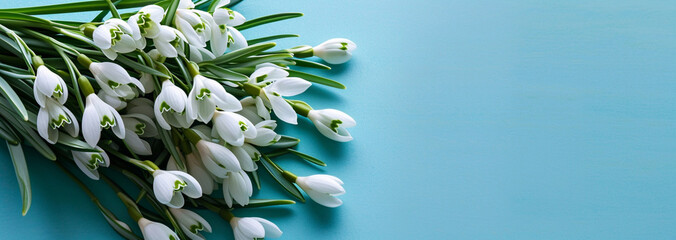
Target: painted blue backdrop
pixel 476 120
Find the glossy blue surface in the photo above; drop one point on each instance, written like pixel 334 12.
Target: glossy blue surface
pixel 476 120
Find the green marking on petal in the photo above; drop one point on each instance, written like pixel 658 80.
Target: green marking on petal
pixel 113 84
pixel 276 94
pixel 344 47
pixel 58 90
pixel 195 228
pixel 242 126
pixel 140 128
pixel 261 78
pixel 171 237
pixel 115 35
pixel 164 107
pixel 94 161
pixel 334 125
pixel 231 14
pixel 107 122
pixel 59 121
pixel 223 28
pixel 179 185
pixel 204 92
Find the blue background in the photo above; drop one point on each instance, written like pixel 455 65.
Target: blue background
pixel 476 120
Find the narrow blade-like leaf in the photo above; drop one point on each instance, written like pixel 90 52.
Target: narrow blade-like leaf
pixel 21 170
pixel 277 175
pixel 315 79
pixel 267 19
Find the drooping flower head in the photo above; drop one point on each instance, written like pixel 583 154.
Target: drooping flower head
pixel 205 96
pixel 332 123
pixel 250 228
pixel 89 162
pixel 146 22
pixel 191 223
pixel 169 187
pixel 323 189
pixel 170 107
pixel 116 36
pixel 156 231
pixel 49 85
pixel 99 115
pixel 113 79
pixel 52 117
pixel 335 51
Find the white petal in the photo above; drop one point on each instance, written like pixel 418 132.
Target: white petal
pixel 101 36
pixel 324 199
pixel 282 109
pixel 271 230
pixel 193 188
pixel 91 128
pixel 290 86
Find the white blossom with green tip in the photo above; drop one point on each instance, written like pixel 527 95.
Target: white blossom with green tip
pixel 89 162
pixel 205 96
pixel 250 228
pixel 49 85
pixel 332 123
pixel 156 231
pixel 191 223
pixel 169 187
pixel 335 51
pixel 99 115
pixel 54 116
pixel 116 36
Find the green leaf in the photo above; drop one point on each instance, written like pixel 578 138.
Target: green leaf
pixel 141 67
pixel 22 177
pixel 13 98
pixel 310 64
pixel 255 60
pixel 84 6
pixel 270 38
pixel 267 19
pixel 240 53
pixel 226 73
pixel 315 79
pixel 256 203
pixel 112 221
pixel 74 143
pixel 8 134
pixel 171 11
pixel 165 136
pixel 276 173
pixel 13 15
pixel 26 131
pixel 10 45
pixel 286 142
pixel 308 158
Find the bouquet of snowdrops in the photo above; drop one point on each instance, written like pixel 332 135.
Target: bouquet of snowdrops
pixel 173 97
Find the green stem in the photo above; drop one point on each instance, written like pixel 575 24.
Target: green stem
pixel 113 9
pixel 300 108
pixel 251 89
pixel 289 176
pixel 192 136
pixel 85 86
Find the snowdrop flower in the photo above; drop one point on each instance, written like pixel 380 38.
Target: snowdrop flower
pixel 199 54
pixel 335 51
pixel 146 80
pixel 142 106
pixel 113 101
pixel 155 231
pixel 332 123
pixel 113 79
pixel 217 159
pixel 225 36
pixel 89 162
pixel 168 186
pixel 265 134
pixel 137 126
pixel 233 128
pixel 285 87
pixel 116 36
pixel 279 85
pixel 170 107
pixel 254 109
pixel 246 161
pixel 49 85
pixel 205 96
pixel 237 187
pixel 196 25
pixel 170 42
pixel 323 189
pixel 147 21
pixel 97 115
pixel 250 228
pixel 53 116
pixel 196 169
pixel 190 222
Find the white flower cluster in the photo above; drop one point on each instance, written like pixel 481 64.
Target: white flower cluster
pixel 192 30
pixel 223 146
